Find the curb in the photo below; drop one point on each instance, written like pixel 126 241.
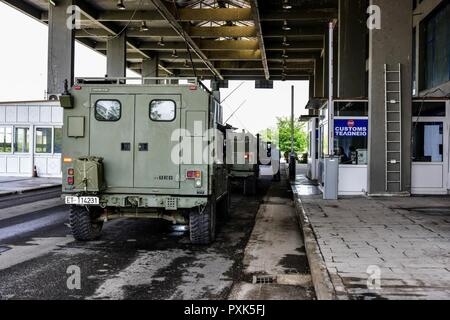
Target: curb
pixel 10 193
pixel 323 285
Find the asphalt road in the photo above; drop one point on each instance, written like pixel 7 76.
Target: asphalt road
pixel 134 259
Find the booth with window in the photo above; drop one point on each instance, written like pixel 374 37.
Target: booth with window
pixel 430 146
pixel 350 144
pixel 30 135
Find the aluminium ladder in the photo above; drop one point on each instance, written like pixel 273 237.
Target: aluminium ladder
pixel 393 128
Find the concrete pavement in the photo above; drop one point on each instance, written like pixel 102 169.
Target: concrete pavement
pixel 275 263
pixel 379 248
pixel 13 185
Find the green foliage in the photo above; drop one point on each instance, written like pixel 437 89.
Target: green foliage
pixel 283 134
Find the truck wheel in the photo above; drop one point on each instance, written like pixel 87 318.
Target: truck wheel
pixel 83 228
pixel 250 186
pixel 202 225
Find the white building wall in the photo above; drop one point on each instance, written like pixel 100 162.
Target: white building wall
pixel 32 115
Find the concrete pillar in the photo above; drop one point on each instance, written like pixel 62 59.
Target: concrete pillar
pixel 311 87
pixel 352 49
pixel 150 69
pixel 392 44
pixel 312 83
pixel 318 78
pixel 60 48
pixel 215 89
pixel 116 56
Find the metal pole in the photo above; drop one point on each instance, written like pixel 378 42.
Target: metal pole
pixel 330 89
pixel 292 159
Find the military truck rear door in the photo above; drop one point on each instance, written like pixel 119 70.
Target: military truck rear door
pixel 112 136
pixel 157 118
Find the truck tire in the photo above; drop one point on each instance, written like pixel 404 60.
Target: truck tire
pixel 250 186
pixel 202 225
pixel 83 228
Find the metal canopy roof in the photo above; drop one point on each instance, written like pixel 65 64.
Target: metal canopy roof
pixel 228 39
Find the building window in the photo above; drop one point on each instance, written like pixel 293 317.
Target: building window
pixel 5 139
pixel 351 108
pixel 162 110
pixel 428 109
pixel 428 141
pixel 21 140
pixel 43 140
pixel 351 140
pixel 108 110
pixel 57 140
pixel 437 50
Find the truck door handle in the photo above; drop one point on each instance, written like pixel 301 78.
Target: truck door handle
pixel 143 147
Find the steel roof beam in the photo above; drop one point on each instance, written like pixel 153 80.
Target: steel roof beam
pixel 25 8
pixel 262 48
pixel 222 31
pixel 218 14
pixel 169 17
pixel 325 14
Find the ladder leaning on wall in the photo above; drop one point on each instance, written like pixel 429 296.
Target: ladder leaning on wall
pixel 393 128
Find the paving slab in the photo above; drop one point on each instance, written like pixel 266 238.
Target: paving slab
pixel 379 248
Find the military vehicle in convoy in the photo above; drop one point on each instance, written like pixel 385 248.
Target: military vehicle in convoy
pixel 246 153
pixel 124 154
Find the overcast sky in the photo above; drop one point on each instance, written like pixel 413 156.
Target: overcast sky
pixel 23 75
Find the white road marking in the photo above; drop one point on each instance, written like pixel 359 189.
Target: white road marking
pixel 140 272
pixel 22 209
pixel 33 249
pixel 31 225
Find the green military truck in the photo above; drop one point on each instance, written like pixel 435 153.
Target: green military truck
pixel 124 154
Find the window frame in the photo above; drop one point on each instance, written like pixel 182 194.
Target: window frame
pixel 35 140
pixel 166 100
pixel 12 140
pixel 110 100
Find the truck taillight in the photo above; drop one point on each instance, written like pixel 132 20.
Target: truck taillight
pixel 193 174
pixel 70 180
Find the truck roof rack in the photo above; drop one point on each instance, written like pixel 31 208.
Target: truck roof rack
pixel 174 81
pixel 135 80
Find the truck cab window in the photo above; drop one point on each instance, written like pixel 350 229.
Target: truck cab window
pixel 162 110
pixel 108 110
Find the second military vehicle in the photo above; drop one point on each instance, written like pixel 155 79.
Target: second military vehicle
pixel 245 155
pixel 124 154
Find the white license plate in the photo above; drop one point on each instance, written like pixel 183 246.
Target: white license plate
pixel 82 200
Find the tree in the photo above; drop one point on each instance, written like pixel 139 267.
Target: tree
pixel 282 133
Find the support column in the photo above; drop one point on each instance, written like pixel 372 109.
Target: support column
pixel 318 78
pixel 311 86
pixel 116 56
pixel 392 44
pixel 150 68
pixel 61 48
pixel 352 49
pixel 215 89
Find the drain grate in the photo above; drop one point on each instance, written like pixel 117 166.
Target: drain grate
pixel 264 279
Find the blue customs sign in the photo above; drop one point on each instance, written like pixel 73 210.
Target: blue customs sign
pixel 349 128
